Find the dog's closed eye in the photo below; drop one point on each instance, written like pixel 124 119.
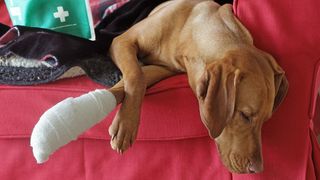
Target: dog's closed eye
pixel 202 89
pixel 245 116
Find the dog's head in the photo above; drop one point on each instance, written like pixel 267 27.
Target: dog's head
pixel 236 95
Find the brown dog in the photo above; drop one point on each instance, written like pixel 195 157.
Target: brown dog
pixel 237 85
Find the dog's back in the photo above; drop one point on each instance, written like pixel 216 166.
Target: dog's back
pixel 187 28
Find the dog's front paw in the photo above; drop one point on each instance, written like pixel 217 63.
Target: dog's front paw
pixel 123 131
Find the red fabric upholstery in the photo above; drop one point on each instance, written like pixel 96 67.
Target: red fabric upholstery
pixel 4 17
pixel 316 124
pixel 172 143
pixel 176 100
pixel 289 31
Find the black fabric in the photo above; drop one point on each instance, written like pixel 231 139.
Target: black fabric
pixel 123 18
pixel 61 52
pixel 3 29
pixel 56 52
pixel 221 2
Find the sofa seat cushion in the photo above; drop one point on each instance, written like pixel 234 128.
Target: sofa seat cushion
pixel 169 110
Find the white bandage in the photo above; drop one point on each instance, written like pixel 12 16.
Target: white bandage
pixel 67 120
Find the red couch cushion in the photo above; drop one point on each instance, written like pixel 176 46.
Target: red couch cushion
pixel 169 110
pixel 289 30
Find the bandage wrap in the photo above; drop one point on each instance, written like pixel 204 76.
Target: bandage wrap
pixel 67 120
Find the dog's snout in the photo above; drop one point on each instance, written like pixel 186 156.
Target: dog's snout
pixel 255 167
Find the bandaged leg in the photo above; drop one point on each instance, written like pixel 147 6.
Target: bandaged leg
pixel 67 120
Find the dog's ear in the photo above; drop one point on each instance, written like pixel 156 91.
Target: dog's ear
pixel 216 92
pixel 281 89
pixel 280 83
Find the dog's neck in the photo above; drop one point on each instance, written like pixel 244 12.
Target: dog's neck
pixel 194 69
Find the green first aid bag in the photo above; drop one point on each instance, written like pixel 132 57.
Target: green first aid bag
pixel 67 16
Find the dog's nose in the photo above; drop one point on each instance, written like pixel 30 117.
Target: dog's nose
pixel 255 167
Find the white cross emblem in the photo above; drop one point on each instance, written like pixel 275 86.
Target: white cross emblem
pixel 16 11
pixel 61 14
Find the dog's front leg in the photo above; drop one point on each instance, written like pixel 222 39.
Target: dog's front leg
pixel 123 129
pixel 124 126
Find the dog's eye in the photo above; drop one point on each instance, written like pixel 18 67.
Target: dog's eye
pixel 202 88
pixel 245 117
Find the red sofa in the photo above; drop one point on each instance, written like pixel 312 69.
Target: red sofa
pixel 172 143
